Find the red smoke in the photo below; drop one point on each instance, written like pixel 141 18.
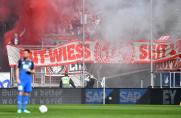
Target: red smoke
pixel 4 10
pixel 37 17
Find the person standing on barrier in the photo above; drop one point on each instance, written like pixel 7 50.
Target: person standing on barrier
pixel 90 81
pixel 66 81
pixel 24 72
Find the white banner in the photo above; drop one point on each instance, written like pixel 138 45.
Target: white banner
pixel 5 80
pixel 100 52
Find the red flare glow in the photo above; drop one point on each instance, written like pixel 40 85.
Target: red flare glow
pixel 37 18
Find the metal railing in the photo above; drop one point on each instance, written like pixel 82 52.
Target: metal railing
pixel 167 79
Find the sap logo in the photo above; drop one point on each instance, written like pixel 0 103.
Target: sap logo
pixel 168 96
pixel 130 96
pixel 94 96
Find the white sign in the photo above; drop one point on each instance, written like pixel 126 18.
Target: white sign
pixel 4 80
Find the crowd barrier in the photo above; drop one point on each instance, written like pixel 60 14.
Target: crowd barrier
pixel 168 96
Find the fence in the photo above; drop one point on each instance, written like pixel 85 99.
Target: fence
pixel 167 79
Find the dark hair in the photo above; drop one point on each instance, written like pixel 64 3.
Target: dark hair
pixel 66 73
pixel 27 50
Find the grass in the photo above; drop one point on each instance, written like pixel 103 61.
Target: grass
pixel 95 111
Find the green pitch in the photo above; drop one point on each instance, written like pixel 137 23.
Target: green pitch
pixel 95 111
